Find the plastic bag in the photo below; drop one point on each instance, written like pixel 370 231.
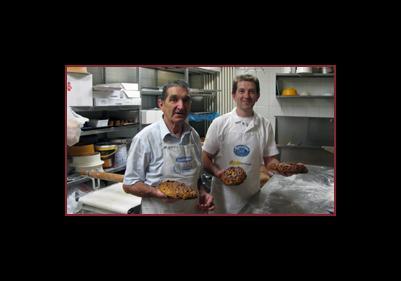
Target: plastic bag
pixel 310 193
pixel 74 125
pixel 73 206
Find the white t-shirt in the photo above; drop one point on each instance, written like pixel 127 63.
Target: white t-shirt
pixel 223 124
pixel 245 121
pixel 238 141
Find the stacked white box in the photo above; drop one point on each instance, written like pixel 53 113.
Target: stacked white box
pixel 150 116
pixel 116 94
pixel 79 89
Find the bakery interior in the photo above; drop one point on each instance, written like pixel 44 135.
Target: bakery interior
pixel 111 104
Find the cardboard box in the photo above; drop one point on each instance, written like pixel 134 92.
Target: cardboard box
pixel 106 95
pixel 117 94
pixel 117 86
pixel 150 116
pixel 79 89
pixel 99 122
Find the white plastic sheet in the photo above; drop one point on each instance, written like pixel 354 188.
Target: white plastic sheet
pixel 74 125
pixel 311 193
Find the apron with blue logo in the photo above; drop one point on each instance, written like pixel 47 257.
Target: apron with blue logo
pixel 179 164
pixel 239 150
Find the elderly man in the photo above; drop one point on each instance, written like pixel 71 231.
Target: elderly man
pixel 169 149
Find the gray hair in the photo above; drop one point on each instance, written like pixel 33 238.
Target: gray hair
pixel 176 83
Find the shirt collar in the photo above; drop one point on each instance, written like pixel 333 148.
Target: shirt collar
pixel 237 119
pixel 164 131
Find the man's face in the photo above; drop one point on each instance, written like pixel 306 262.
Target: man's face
pixel 246 95
pixel 177 105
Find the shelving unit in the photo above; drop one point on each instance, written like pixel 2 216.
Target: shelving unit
pixel 202 89
pixel 121 111
pixel 303 75
pixel 305 97
pixel 77 179
pixel 299 146
pixel 316 85
pixel 105 108
pixel 304 139
pixel 150 80
pixel 108 130
pixel 94 135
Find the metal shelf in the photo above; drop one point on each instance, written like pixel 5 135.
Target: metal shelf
pixel 305 97
pixel 77 178
pixel 151 92
pixel 105 108
pixel 299 146
pixel 303 75
pixel 183 69
pixel 200 70
pixel 193 92
pixel 171 69
pixel 107 130
pixel 203 92
pixel 151 77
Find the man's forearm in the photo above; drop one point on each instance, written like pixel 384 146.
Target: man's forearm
pixel 140 189
pixel 270 160
pixel 208 164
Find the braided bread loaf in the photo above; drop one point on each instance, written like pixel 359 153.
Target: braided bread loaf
pixel 292 168
pixel 233 176
pixel 177 190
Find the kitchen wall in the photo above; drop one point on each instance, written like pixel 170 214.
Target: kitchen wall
pixel 269 106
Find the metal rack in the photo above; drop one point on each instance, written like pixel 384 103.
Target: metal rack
pixel 203 91
pixel 302 139
pixel 108 130
pixel 193 92
pixel 77 178
pixel 306 97
pixel 303 75
pixel 106 108
pixel 183 70
pixel 315 84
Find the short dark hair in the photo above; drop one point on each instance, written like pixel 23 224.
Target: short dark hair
pixel 246 77
pixel 176 83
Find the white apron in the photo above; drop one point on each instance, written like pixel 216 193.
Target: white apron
pixel 179 164
pixel 243 150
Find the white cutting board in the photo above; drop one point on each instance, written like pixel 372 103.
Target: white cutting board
pixel 111 198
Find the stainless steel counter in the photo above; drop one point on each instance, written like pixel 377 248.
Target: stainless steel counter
pixel 311 193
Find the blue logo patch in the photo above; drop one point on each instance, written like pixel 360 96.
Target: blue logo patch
pixel 241 150
pixel 184 159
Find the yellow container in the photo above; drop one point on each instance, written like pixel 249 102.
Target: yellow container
pixel 289 92
pixel 81 150
pixel 77 69
pixel 106 151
